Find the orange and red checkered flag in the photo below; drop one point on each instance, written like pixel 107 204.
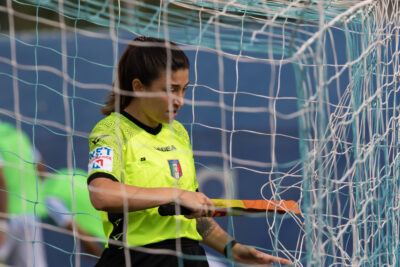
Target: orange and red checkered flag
pixel 237 207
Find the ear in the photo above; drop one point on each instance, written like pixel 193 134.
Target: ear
pixel 137 85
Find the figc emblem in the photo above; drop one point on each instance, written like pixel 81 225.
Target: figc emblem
pixel 175 168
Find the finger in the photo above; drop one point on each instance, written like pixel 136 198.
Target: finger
pixel 197 214
pixel 206 210
pixel 192 216
pixel 210 207
pixel 279 260
pixel 284 261
pixel 210 212
pixel 266 258
pixel 210 203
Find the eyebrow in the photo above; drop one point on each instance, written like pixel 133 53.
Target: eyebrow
pixel 177 85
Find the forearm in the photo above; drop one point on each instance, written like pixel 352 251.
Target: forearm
pixel 213 235
pixel 3 194
pixel 113 196
pixel 3 208
pixel 90 247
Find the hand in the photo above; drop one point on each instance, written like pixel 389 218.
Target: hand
pixel 199 203
pixel 3 237
pixel 249 255
pixel 3 231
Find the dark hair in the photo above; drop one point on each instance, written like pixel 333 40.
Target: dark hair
pixel 145 58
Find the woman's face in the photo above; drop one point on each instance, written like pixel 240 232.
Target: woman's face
pixel 162 105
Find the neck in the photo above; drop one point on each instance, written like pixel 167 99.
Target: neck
pixel 134 110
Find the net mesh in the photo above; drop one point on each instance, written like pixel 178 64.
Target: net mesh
pixel 305 93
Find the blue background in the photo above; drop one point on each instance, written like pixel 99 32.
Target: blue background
pixel 248 137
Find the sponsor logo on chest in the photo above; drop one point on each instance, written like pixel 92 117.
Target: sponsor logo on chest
pixel 165 148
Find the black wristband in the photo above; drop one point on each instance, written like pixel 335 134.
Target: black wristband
pixel 229 247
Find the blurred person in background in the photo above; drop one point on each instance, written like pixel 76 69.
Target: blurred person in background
pixel 23 243
pixel 3 207
pixel 68 205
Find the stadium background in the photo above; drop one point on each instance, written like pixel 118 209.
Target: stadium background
pixel 90 61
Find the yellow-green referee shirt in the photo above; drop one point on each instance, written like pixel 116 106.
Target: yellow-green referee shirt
pixel 127 151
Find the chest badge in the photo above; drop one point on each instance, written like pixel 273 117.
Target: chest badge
pixel 175 168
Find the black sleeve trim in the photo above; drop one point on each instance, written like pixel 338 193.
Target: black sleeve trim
pixel 101 175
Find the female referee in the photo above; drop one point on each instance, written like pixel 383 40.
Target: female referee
pixel 141 158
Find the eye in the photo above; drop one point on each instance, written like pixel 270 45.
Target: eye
pixel 174 89
pixel 169 88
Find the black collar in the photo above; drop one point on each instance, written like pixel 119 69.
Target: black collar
pixel 153 131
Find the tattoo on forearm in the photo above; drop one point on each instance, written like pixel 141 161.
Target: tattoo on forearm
pixel 205 226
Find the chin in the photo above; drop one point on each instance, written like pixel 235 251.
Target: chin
pixel 167 121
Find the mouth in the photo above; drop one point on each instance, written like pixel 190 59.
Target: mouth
pixel 173 112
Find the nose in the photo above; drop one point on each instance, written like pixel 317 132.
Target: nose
pixel 178 99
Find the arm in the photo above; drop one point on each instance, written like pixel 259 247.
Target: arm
pixel 112 196
pixel 215 237
pixel 89 247
pixel 40 164
pixel 59 212
pixel 3 206
pixel 3 193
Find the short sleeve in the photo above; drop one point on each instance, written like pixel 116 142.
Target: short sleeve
pixel 58 211
pixel 105 154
